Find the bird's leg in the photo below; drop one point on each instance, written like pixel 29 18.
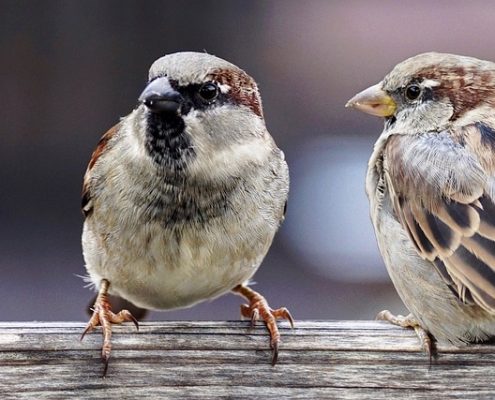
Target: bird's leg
pixel 409 322
pixel 258 308
pixel 102 315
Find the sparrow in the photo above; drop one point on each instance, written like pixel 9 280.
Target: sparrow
pixel 431 188
pixel 182 198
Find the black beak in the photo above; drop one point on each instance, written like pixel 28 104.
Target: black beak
pixel 160 97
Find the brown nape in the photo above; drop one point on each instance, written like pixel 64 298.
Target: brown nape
pixel 243 90
pixel 466 88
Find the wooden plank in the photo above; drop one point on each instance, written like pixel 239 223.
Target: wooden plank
pixel 205 359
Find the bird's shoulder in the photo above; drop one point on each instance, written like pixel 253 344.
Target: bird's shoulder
pixel 102 146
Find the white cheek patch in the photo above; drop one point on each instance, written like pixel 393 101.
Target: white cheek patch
pixel 230 161
pixel 255 150
pixel 423 117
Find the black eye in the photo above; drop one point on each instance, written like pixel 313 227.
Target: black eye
pixel 209 91
pixel 413 92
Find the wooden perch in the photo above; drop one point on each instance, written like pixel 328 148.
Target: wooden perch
pixel 202 360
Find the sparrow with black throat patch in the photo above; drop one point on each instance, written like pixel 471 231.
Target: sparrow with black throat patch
pixel 182 198
pixel 431 186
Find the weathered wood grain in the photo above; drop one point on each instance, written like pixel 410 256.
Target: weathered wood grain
pixel 203 360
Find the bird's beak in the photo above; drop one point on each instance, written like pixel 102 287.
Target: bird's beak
pixel 374 101
pixel 160 97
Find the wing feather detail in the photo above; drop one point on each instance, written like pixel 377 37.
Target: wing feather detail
pixel 422 243
pixel 443 238
pixel 447 209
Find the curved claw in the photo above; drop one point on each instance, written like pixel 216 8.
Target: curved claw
pixel 88 329
pixel 410 322
pixel 284 313
pixel 258 309
pixel 126 315
pixel 102 315
pixel 105 368
pixel 274 352
pixel 425 340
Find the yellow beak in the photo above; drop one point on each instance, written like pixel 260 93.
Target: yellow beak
pixel 374 101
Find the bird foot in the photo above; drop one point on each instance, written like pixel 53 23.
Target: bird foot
pixel 257 309
pixel 102 315
pixel 409 321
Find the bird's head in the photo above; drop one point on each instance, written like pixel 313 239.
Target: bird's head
pixel 195 106
pixel 430 91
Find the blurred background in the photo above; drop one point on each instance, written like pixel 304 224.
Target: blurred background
pixel 70 69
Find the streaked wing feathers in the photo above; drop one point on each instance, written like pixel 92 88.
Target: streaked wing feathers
pixel 452 229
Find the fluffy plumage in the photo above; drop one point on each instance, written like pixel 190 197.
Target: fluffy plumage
pixel 184 195
pixel 431 188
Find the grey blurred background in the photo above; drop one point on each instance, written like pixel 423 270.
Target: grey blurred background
pixel 70 69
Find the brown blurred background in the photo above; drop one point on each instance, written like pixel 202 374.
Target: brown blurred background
pixel 70 69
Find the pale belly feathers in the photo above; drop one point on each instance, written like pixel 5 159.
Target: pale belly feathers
pixel 164 269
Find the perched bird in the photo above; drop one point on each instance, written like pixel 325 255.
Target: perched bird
pixel 431 186
pixel 182 198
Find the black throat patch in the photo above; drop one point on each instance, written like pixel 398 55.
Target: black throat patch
pixel 166 141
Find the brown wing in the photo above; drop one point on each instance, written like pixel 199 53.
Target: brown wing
pixel 86 205
pixel 442 188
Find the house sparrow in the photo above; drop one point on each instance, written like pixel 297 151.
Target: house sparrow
pixel 431 187
pixel 182 198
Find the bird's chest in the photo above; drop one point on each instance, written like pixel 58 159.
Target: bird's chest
pixel 178 249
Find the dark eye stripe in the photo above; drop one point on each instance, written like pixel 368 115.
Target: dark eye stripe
pixel 238 94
